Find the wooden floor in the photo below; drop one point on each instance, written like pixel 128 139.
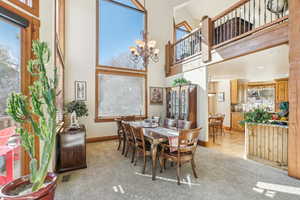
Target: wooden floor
pixel 232 143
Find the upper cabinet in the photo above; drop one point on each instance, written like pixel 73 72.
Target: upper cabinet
pixel 282 90
pixel 234 91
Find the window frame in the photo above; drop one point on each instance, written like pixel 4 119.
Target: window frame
pixel 139 8
pixel 28 34
pixel 119 73
pixel 33 10
pixel 178 26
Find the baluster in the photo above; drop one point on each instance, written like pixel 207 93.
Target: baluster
pixel 227 23
pixel 219 31
pixel 236 23
pixel 253 14
pixel 265 11
pixel 259 11
pixel 244 20
pixel 249 17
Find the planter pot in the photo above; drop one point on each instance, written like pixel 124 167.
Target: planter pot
pixel 45 193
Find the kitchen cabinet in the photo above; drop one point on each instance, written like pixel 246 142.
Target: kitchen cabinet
pixel 282 90
pixel 234 91
pixel 182 103
pixel 236 117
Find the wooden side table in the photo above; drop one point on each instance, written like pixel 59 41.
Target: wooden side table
pixel 71 149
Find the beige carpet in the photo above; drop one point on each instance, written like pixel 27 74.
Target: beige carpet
pixel 110 176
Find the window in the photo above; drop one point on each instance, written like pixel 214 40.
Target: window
pixel 120 94
pixel 10 81
pixel 181 30
pixel 120 83
pixel 120 25
pixel 31 6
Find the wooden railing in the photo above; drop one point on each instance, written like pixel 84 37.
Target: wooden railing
pixel 185 48
pixel 244 18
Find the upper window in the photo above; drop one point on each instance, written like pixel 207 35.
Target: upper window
pixel 181 30
pixel 120 25
pixel 31 6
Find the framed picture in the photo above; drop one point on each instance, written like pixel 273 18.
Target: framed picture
pixel 221 97
pixel 80 91
pixel 156 95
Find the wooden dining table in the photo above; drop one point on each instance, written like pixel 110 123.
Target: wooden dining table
pixel 155 135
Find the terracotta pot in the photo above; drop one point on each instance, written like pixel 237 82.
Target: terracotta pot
pixel 45 193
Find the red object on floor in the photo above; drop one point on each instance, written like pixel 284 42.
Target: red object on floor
pixel 8 152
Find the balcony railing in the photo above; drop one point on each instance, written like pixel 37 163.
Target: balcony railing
pixel 185 48
pixel 246 17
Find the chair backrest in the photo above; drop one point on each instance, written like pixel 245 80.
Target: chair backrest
pixel 188 139
pixel 184 124
pixel 170 123
pixel 128 131
pixel 128 118
pixel 139 137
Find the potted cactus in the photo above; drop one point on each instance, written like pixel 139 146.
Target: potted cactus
pixel 37 117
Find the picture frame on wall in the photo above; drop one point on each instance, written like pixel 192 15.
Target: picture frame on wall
pixel 80 91
pixel 156 95
pixel 221 97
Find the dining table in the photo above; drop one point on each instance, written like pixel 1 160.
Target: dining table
pixel 155 135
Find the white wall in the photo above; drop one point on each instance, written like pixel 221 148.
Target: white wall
pixel 81 54
pixel 225 106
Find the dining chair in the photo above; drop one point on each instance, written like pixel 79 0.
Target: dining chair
pixel 184 124
pixel 185 151
pixel 141 146
pixel 170 123
pixel 215 124
pixel 130 142
pixel 120 133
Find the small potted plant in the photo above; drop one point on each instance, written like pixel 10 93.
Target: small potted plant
pixel 36 115
pixel 77 109
pixel 180 81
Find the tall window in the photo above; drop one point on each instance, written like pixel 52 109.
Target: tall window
pixel 120 83
pixel 181 30
pixel 10 76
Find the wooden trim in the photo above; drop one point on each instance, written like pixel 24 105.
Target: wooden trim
pixel 230 9
pixel 185 24
pixel 101 139
pixel 203 143
pixel 119 68
pixel 122 73
pixel 33 10
pixel 138 5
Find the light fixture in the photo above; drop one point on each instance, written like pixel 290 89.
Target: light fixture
pixel 277 6
pixel 144 50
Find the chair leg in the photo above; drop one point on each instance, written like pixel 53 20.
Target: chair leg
pixel 161 164
pixel 178 173
pixel 127 149
pixel 133 153
pixel 124 146
pixel 120 141
pixel 145 162
pixel 136 158
pixel 165 164
pixel 194 167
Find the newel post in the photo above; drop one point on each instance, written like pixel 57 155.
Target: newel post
pixel 206 42
pixel 294 90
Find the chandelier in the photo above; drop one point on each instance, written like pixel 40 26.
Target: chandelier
pixel 144 51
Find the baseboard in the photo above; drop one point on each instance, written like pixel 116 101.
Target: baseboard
pixel 101 139
pixel 203 143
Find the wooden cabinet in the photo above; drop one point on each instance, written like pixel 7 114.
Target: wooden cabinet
pixel 182 103
pixel 282 90
pixel 71 150
pixel 236 117
pixel 234 91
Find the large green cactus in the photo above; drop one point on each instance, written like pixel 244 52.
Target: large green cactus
pixel 37 114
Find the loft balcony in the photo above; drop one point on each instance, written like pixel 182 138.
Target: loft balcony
pixel 246 27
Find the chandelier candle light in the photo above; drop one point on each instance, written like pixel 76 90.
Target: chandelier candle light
pixel 144 50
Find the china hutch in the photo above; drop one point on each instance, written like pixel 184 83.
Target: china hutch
pixel 182 103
